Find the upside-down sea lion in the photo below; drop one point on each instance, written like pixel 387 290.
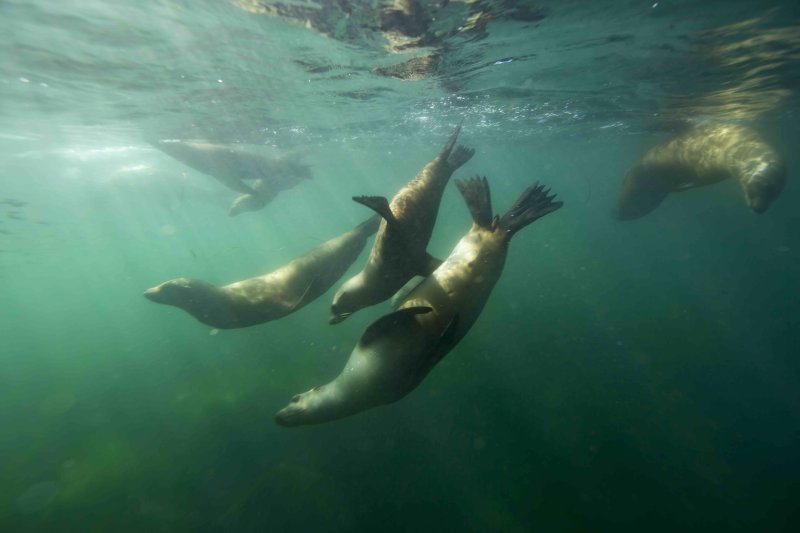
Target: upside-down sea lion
pixel 233 167
pixel 399 252
pixel 703 156
pixel 398 350
pixel 272 296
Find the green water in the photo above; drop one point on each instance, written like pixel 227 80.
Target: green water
pixel 631 376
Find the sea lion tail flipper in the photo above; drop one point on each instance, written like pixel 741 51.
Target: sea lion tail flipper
pixel 479 200
pixel 460 156
pixel 533 204
pixel 379 204
pixel 387 323
pixel 451 141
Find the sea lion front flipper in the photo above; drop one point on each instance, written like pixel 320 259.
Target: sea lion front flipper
pixel 405 290
pixel 685 186
pixel 446 342
pixel 392 320
pixel 296 305
pixel 379 204
pixel 238 186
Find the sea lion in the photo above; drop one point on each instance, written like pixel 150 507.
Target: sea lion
pixel 703 156
pixel 398 350
pixel 233 166
pixel 399 250
pixel 271 296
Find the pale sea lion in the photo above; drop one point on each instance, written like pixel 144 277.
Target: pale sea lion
pixel 233 167
pixel 398 350
pixel 703 156
pixel 272 296
pixel 399 252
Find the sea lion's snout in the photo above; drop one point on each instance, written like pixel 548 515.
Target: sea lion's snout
pixel 172 291
pixel 291 414
pixel 758 206
pixel 763 188
pixel 152 294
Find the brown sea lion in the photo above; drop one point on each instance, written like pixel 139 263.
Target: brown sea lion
pixel 703 156
pixel 272 296
pixel 399 252
pixel 233 166
pixel 398 350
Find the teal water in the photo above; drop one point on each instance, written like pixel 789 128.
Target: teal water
pixel 623 376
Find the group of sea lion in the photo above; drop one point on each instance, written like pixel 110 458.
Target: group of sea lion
pixel 397 351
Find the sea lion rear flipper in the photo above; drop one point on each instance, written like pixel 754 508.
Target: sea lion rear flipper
pixel 533 204
pixel 460 156
pixel 379 204
pixel 451 141
pixel 390 321
pixel 479 200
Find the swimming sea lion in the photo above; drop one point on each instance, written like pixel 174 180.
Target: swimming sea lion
pixel 398 350
pixel 399 250
pixel 703 156
pixel 272 296
pixel 233 166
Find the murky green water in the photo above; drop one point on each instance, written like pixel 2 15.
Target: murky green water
pixel 636 375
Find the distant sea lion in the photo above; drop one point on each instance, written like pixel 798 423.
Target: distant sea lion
pixel 399 252
pixel 272 296
pixel 703 156
pixel 398 350
pixel 233 166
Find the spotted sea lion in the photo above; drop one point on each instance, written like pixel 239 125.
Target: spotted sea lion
pixel 234 167
pixel 397 351
pixel 272 296
pixel 399 252
pixel 703 156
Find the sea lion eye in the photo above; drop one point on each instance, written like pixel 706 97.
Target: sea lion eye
pixel 295 398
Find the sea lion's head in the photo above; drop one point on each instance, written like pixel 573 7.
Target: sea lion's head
pixel 764 185
pixel 196 297
pixel 310 407
pixel 178 291
pixel 351 297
